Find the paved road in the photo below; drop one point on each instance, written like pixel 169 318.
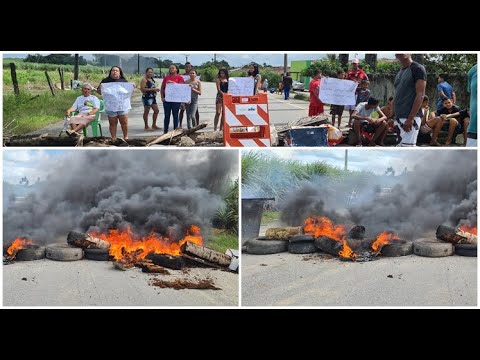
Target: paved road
pixel 97 283
pixel 291 280
pixel 318 280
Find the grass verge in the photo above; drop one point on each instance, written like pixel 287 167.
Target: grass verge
pixel 27 113
pixel 269 216
pixel 221 240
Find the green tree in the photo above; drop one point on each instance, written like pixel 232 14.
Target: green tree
pixel 449 63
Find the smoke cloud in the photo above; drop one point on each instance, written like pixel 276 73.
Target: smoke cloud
pixel 163 191
pixel 440 189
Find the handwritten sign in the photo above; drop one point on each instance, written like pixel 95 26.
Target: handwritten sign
pixel 181 93
pixel 116 96
pixel 337 91
pixel 240 86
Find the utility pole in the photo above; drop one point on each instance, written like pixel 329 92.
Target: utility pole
pixel 214 59
pixel 186 58
pixel 75 68
pixel 138 63
pixel 285 64
pixel 346 160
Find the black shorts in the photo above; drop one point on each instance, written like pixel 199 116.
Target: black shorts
pixel 149 101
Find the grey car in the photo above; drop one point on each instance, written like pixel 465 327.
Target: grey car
pixel 298 86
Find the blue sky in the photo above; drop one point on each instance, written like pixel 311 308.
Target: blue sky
pixel 234 59
pixel 376 161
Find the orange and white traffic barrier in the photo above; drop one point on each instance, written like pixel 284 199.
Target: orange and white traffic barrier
pixel 246 121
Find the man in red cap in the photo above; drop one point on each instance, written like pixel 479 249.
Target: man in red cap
pixel 356 74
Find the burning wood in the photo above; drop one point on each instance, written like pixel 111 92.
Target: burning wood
pixel 462 235
pixel 168 261
pixel 125 242
pixel 206 254
pixel 283 233
pixel 86 241
pixel 179 284
pixel 333 239
pixel 121 265
pixel 155 269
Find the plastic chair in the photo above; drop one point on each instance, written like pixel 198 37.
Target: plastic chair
pixel 95 124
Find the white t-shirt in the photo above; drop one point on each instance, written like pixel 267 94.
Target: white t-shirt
pixel 84 104
pixel 362 111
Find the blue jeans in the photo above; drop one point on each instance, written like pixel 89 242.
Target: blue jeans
pixel 191 112
pixel 286 91
pixel 170 107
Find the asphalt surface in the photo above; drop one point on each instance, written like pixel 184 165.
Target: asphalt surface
pixel 322 280
pixel 97 283
pixel 317 280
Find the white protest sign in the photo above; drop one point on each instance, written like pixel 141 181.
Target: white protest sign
pixel 240 86
pixel 337 91
pixel 181 93
pixel 116 96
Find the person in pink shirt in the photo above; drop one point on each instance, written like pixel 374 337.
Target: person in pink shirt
pixel 316 105
pixel 168 106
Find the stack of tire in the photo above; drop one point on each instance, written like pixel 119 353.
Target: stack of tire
pixel 297 244
pixel 436 248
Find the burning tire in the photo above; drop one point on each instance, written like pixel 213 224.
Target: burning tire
pixel 432 248
pixel 97 254
pixel 264 247
pixel 328 245
pixel 31 252
pixel 466 250
pixel 397 248
pixel 63 252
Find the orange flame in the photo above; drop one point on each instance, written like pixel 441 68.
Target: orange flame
pixel 322 226
pixel 127 246
pixel 17 244
pixel 383 239
pixel 347 251
pixel 469 229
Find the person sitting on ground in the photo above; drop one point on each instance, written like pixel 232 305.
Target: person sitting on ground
pixel 430 125
pixel 388 111
pixel 362 118
pixel 452 118
pixel 87 105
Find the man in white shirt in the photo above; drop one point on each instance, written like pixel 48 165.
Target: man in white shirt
pixel 362 120
pixel 87 105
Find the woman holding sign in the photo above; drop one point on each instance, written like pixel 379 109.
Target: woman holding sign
pixel 170 106
pixel 257 78
pixel 114 117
